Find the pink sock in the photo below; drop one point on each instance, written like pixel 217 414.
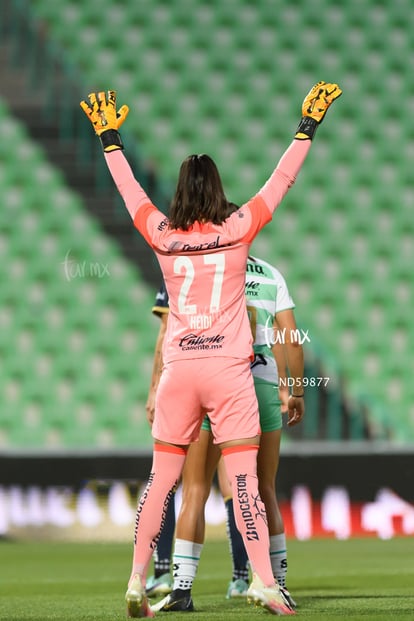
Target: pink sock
pixel 166 469
pixel 249 510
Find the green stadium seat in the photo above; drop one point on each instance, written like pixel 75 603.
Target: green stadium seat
pixel 65 333
pixel 344 234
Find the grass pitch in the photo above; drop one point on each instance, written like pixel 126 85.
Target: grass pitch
pixel 362 579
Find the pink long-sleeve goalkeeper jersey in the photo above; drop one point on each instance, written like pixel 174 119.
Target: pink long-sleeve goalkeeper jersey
pixel 204 268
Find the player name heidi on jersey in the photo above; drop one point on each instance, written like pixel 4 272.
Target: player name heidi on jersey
pixel 200 322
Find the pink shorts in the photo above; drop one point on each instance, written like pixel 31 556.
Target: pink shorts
pixel 223 388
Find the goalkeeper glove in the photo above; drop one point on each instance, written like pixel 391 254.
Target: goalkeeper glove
pixel 314 107
pixel 101 111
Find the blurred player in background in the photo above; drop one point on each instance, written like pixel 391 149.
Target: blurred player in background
pixel 202 253
pixel 270 307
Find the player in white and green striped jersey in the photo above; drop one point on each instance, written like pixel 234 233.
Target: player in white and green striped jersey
pixel 270 309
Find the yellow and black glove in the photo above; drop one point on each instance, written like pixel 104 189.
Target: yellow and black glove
pixel 314 107
pixel 101 111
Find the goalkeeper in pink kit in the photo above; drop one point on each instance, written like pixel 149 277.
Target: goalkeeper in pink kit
pixel 202 252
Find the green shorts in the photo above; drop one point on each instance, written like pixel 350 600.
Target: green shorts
pixel 269 407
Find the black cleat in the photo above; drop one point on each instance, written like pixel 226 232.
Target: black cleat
pixel 179 600
pixel 288 597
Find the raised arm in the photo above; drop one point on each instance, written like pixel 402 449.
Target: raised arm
pixel 102 113
pixel 314 108
pixel 106 121
pixel 129 188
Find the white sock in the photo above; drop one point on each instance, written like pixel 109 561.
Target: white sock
pixel 186 558
pixel 278 557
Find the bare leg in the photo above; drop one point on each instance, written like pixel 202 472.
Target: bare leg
pixel 197 476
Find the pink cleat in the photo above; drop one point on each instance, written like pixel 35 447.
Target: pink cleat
pixel 270 597
pixel 136 600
